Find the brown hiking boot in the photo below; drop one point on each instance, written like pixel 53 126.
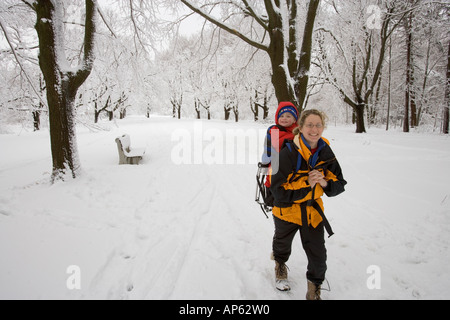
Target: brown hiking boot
pixel 313 292
pixel 281 276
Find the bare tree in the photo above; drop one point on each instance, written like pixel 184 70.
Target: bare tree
pixel 446 126
pixel 410 101
pixel 426 41
pixel 62 80
pixel 278 35
pixel 256 103
pixel 363 60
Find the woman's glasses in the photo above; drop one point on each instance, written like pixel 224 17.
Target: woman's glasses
pixel 310 125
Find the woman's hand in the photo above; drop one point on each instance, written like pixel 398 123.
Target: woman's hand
pixel 315 177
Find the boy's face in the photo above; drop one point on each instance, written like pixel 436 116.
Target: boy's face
pixel 286 119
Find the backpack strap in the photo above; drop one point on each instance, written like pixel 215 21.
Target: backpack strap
pixel 315 205
pixel 296 164
pixel 327 225
pixel 268 146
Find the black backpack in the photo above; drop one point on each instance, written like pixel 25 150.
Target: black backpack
pixel 264 196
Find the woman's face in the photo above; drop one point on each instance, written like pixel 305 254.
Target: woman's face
pixel 312 130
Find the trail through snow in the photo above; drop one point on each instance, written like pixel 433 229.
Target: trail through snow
pixel 163 230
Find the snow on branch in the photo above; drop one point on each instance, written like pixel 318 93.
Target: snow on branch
pixel 30 3
pixel 5 31
pixel 102 16
pixel 273 7
pixel 84 68
pixel 223 26
pixel 251 12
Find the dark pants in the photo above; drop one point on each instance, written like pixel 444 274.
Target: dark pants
pixel 313 242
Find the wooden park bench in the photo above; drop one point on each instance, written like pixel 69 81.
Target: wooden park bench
pixel 126 154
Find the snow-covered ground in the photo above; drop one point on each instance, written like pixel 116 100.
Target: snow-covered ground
pixel 183 225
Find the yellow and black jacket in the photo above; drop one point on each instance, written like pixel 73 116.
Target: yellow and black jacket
pixel 295 200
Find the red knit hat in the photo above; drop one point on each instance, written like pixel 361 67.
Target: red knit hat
pixel 284 107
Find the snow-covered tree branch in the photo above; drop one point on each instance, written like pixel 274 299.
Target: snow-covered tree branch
pixel 278 20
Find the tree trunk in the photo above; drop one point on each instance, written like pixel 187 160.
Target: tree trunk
pixel 302 76
pixel 255 109
pixel 281 79
pixel 37 118
pixel 62 84
pixel 197 108
pixel 40 107
pixel 236 112
pixel 389 86
pixel 266 107
pixel 227 111
pixel 408 84
pixel 96 113
pixel 123 113
pixel 176 105
pixel 291 81
pixel 359 113
pixel 446 126
pixel 62 131
pixel 254 106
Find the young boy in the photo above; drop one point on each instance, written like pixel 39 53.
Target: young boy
pixel 285 122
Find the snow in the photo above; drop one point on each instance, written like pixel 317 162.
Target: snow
pixel 62 62
pixel 163 230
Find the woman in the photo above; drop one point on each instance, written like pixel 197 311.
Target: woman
pixel 307 169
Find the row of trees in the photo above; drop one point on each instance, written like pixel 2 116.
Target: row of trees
pixel 385 61
pixel 376 56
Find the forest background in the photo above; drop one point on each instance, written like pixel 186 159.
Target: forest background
pixel 371 63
